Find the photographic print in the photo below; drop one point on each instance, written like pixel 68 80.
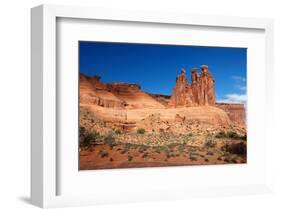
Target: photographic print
pixel 155 105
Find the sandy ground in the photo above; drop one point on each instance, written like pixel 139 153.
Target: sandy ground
pixel 104 156
pixel 202 113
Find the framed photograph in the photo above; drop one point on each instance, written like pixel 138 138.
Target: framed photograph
pixel 129 106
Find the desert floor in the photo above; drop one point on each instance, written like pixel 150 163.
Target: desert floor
pixel 105 156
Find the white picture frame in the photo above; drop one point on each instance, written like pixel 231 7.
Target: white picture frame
pixel 44 153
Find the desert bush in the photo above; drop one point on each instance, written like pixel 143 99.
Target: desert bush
pixel 210 153
pixel 221 134
pixel 192 158
pixel 109 139
pixel 145 155
pixel 118 131
pixel 142 149
pixel 86 137
pixel 206 160
pixel 124 151
pixel 243 137
pixel 130 157
pixel 210 143
pixel 111 159
pixel 157 149
pixel 103 153
pixel 166 150
pixel 232 134
pixel 181 148
pixel 141 131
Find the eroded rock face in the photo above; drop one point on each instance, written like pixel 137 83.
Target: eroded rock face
pixel 94 92
pixel 114 95
pixel 201 91
pixel 236 112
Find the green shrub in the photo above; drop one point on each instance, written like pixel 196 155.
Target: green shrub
pixel 130 157
pixel 157 149
pixel 145 155
pixel 192 158
pixel 232 134
pixel 118 132
pixel 189 134
pixel 209 143
pixel 221 134
pixel 103 153
pixel 141 131
pixel 210 153
pixel 86 137
pixel 181 148
pixel 243 137
pixel 109 139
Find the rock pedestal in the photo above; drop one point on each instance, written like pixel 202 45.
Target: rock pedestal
pixel 201 91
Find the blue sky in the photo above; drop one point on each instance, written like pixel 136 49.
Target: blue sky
pixel 154 67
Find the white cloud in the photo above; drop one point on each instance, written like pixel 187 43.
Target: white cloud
pixel 234 98
pixel 243 88
pixel 238 78
pixel 240 82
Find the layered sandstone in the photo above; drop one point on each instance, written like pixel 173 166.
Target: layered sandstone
pixel 236 112
pixel 94 92
pixel 114 95
pixel 200 92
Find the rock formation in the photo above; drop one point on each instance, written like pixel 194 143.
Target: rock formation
pixel 236 112
pixel 114 95
pixel 200 92
pixel 125 102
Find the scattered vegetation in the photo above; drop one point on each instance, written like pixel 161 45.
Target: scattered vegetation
pixel 192 158
pixel 210 143
pixel 221 134
pixel 109 140
pixel 210 153
pixel 130 157
pixel 145 155
pixel 141 131
pixel 87 138
pixel 231 134
pixel 103 153
pixel 118 131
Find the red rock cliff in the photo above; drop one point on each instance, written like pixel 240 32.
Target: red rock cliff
pixel 114 95
pixel 236 112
